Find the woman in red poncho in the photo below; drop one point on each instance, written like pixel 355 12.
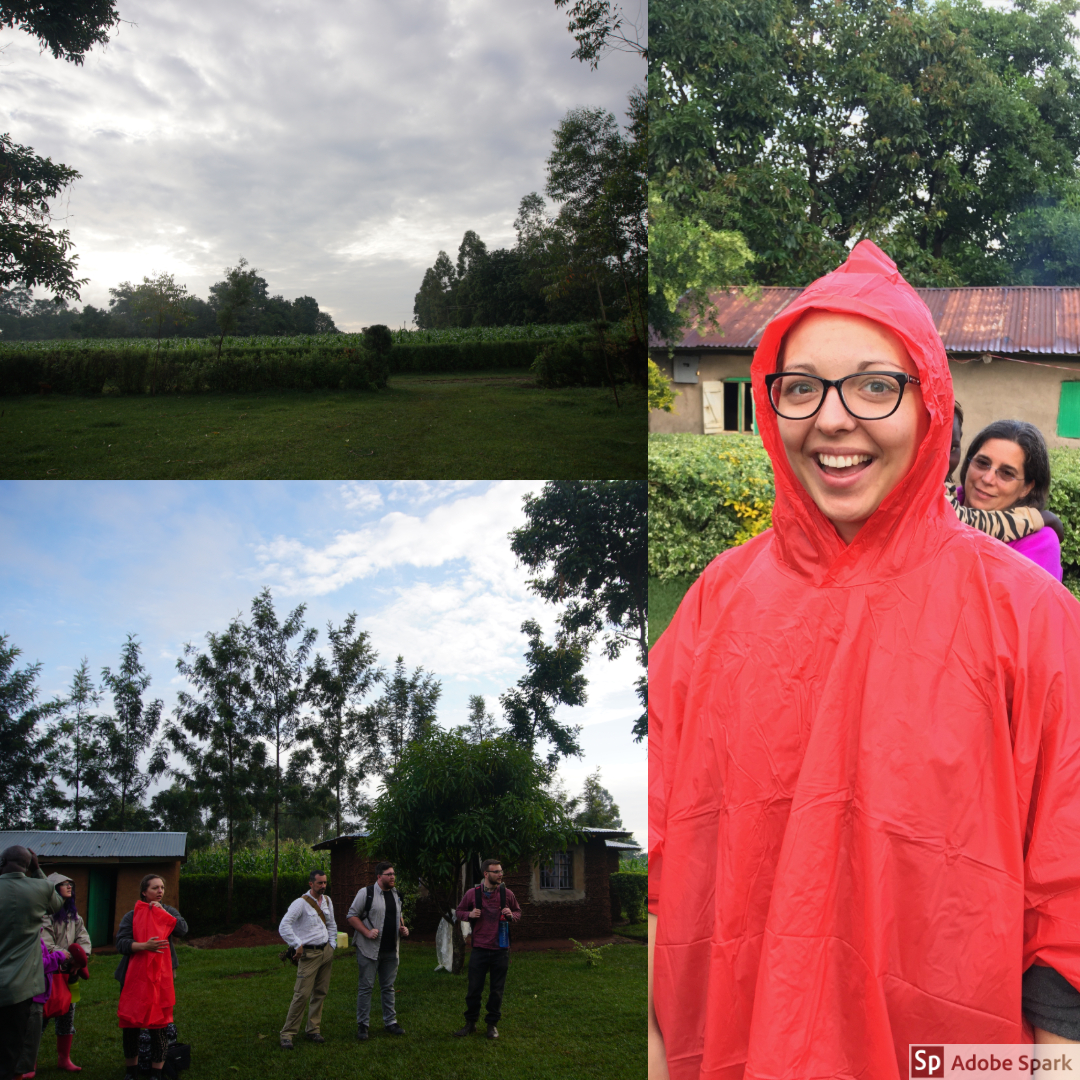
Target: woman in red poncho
pixel 864 738
pixel 146 972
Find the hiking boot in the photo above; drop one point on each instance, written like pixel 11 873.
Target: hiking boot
pixel 492 1031
pixel 395 1029
pixel 361 1033
pixel 468 1029
pixel 286 1043
pixel 315 1037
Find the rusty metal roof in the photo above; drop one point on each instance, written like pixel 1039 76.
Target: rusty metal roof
pixel 1000 319
pixel 99 845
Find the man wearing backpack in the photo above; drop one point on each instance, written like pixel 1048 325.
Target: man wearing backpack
pixel 375 915
pixel 490 907
pixel 309 929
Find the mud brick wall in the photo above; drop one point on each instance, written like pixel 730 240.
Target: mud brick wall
pixel 349 873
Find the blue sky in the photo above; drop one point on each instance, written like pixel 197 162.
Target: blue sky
pixel 426 566
pixel 336 146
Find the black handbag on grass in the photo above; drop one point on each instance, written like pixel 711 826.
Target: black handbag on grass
pixel 177 1058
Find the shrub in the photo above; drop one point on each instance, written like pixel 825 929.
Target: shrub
pixel 590 361
pixel 294 857
pixel 631 889
pixel 710 492
pixel 170 371
pixel 203 899
pixel 706 493
pixel 464 356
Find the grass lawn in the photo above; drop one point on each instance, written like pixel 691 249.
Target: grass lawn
pixel 664 598
pixel 560 1019
pixel 475 426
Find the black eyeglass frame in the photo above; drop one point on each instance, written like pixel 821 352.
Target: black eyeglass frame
pixel 902 377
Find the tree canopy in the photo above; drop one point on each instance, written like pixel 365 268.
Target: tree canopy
pixel 32 253
pixel 945 130
pixel 452 801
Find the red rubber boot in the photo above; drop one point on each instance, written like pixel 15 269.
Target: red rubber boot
pixel 63 1054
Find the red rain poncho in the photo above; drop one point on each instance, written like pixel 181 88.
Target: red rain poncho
pixel 864 768
pixel 147 997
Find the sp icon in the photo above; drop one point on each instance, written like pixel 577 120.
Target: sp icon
pixel 927 1061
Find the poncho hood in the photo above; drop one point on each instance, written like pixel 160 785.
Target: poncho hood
pixel 907 527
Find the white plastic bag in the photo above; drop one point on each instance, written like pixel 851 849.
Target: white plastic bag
pixel 444 943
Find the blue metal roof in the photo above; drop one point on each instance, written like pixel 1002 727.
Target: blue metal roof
pixel 100 845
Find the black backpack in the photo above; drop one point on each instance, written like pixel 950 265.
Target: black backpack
pixel 367 902
pixel 478 901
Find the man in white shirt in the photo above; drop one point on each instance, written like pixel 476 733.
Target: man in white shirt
pixel 308 927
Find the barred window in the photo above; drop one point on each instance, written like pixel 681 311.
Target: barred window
pixel 558 872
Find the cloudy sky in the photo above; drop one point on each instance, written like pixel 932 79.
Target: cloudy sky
pixel 336 145
pixel 427 567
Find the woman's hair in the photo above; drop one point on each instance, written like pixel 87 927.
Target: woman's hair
pixel 145 883
pixel 1036 460
pixel 68 912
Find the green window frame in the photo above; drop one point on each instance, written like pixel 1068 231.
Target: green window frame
pixel 744 393
pixel 1068 425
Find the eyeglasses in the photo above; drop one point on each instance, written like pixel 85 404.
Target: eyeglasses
pixel 867 395
pixel 1006 474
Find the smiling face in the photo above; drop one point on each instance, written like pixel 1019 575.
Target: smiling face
pixel 848 466
pixel 995 477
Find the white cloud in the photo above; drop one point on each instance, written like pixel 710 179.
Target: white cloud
pixel 337 146
pixel 357 495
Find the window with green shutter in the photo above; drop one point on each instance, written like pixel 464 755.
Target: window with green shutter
pixel 1069 411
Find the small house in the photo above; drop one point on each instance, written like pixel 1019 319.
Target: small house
pixel 1014 353
pixel 565 895
pixel 106 868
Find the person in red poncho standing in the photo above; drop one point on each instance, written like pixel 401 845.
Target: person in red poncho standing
pixel 864 738
pixel 146 972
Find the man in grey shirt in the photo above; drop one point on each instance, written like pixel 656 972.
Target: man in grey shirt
pixel 26 896
pixel 376 941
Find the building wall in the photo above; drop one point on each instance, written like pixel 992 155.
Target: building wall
pixel 578 913
pixel 128 877
pixel 686 414
pixel 1003 390
pixel 349 873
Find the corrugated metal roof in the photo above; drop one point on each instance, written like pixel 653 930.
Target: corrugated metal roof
pixel 1001 319
pixel 334 839
pixel 100 845
pixel 618 844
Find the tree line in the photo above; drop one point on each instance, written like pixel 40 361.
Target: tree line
pixel 268 734
pixel 584 262
pixel 947 131
pixel 159 306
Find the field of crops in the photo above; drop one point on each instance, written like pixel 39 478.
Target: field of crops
pixel 452 336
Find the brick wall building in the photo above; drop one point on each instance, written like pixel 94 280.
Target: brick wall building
pixel 568 895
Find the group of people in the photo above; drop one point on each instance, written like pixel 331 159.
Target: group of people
pixel 375 916
pixel 864 727
pixel 44 949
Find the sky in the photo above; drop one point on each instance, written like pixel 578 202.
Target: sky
pixel 426 566
pixel 337 146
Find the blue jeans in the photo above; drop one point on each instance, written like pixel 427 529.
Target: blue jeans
pixel 387 966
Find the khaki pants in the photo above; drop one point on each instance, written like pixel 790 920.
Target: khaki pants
pixel 312 981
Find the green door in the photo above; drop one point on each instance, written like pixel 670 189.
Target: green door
pixel 1069 411
pixel 100 917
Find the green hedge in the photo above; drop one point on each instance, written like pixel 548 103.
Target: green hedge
pixel 706 493
pixel 710 492
pixel 465 356
pixel 631 887
pixel 202 899
pixel 171 371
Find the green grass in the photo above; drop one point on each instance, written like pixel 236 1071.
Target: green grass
pixel 482 425
pixel 634 930
pixel 560 1019
pixel 664 598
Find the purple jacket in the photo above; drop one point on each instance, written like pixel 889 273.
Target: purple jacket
pixel 52 961
pixel 1042 547
pixel 485 930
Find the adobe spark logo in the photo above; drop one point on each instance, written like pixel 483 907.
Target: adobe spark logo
pixel 928 1061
